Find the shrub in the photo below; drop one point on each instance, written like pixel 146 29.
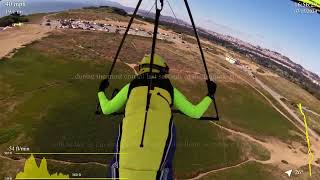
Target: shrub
pixel 11 19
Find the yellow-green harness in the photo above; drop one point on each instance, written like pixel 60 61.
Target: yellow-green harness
pixel 146 162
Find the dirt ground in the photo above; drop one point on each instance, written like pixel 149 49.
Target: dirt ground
pixel 17 37
pixel 294 153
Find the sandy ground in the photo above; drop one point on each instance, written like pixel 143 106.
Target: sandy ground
pixel 279 151
pixel 17 37
pixel 145 25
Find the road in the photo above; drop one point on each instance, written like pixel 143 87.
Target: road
pixel 315 113
pixel 278 97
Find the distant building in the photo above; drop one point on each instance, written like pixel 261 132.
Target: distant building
pixel 8 27
pixel 232 60
pixel 17 24
pixel 316 82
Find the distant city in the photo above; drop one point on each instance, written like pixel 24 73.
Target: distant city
pixel 34 6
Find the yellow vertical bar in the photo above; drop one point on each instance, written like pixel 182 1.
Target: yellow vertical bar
pixel 311 156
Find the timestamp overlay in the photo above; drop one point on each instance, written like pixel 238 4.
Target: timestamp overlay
pixel 13 6
pixel 307 6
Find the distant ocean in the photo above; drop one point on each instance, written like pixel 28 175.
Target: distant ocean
pixel 43 6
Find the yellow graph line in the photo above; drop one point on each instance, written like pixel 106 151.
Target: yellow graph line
pixel 73 178
pixel 67 153
pixel 311 156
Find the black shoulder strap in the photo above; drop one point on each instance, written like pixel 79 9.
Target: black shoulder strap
pixel 160 82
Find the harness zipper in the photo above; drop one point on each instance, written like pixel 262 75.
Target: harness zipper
pixel 159 94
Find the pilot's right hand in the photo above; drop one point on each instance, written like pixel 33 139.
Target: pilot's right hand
pixel 104 85
pixel 212 87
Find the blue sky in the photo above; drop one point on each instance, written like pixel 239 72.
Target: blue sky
pixel 272 24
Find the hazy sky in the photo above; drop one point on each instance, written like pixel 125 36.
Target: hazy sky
pixel 273 24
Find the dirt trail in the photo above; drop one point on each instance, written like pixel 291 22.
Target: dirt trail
pixel 263 95
pixel 314 113
pixel 279 151
pixel 313 136
pixel 278 98
pixel 297 122
pixel 132 67
pixel 17 37
pixel 217 170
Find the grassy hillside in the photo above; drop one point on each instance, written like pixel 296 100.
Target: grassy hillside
pixel 52 105
pixel 293 92
pixel 250 112
pixel 92 14
pixel 50 96
pixel 244 110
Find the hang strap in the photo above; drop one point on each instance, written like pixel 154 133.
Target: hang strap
pixel 124 38
pixel 198 39
pixel 154 40
pixel 98 108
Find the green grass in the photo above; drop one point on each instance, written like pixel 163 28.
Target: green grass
pixel 260 153
pixel 201 147
pixel 249 171
pixel 312 120
pixel 56 111
pixel 60 117
pixel 36 18
pixel 61 112
pixel 7 134
pixel 245 110
pixel 91 14
pixel 294 93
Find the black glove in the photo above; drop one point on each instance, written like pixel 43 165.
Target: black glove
pixel 212 87
pixel 104 85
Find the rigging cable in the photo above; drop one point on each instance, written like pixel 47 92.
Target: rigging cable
pixel 98 109
pixel 173 12
pixel 150 10
pixel 198 39
pixel 154 40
